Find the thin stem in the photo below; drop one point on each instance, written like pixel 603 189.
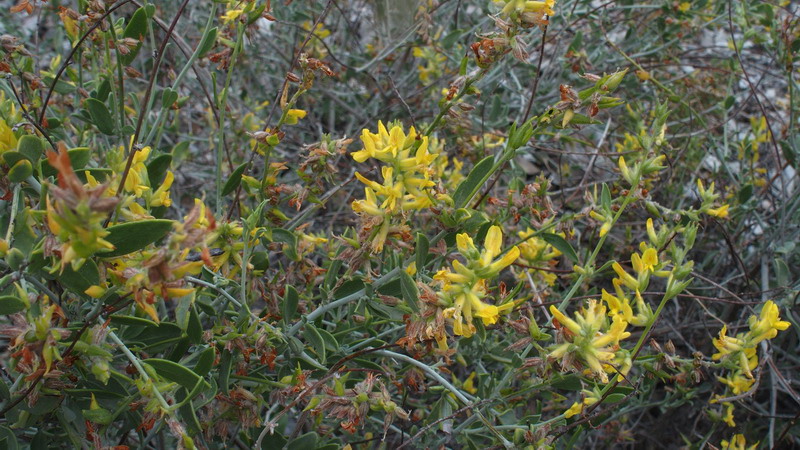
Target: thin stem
pixel 132 149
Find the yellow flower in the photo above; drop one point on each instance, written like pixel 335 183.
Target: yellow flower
pixel 721 212
pixel 138 173
pixel 589 399
pixel 727 417
pixel 8 141
pixel 739 384
pixel 593 340
pixel 231 15
pixel 625 277
pixel 737 442
pixel 293 115
pixel 645 263
pixel 406 175
pixel 161 195
pixel 465 286
pixel 574 410
pixel 726 344
pixel 767 325
pixel 469 384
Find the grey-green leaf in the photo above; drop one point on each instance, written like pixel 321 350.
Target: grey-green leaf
pixel 290 300
pixel 136 29
pixel 470 186
pixel 10 304
pixel 173 371
pixel 409 291
pixel 31 147
pixel 132 236
pixel 314 338
pixel 101 116
pixel 234 179
pixel 561 245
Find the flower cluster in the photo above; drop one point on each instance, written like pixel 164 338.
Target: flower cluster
pixel 626 285
pixel 538 255
pixel 75 214
pixel 406 176
pixel 739 353
pixel 708 198
pixel 464 288
pixel 138 183
pixel 592 338
pixel 527 13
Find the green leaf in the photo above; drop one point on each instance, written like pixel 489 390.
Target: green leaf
pixel 168 98
pixel 10 304
pixel 11 157
pixel 605 198
pixel 409 291
pixel 101 416
pixel 614 398
pixel 157 169
pixel 7 439
pixel 448 41
pixel 233 180
pixel 30 146
pixel 304 442
pixel 101 116
pixel 745 193
pixel 290 299
pixel 132 321
pixel 782 273
pixel 205 361
pixel 330 342
pixel 470 186
pixel 314 338
pixel 103 91
pixel 560 244
pixel 569 382
pixel 78 157
pixel 79 280
pixel 209 39
pixel 20 172
pixel 195 328
pixel 132 236
pixel 289 238
pixel 136 29
pixel 173 371
pixel 182 311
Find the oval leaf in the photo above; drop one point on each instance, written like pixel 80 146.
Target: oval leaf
pixel 136 29
pixel 31 146
pixel 173 371
pixel 157 169
pixel 290 300
pixel 234 179
pixel 79 280
pixel 100 115
pixel 209 39
pixel 467 189
pixel 409 291
pixel 314 338
pixel 10 304
pixel 129 237
pixel 561 245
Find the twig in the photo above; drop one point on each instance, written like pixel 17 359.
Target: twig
pixel 535 85
pixel 132 148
